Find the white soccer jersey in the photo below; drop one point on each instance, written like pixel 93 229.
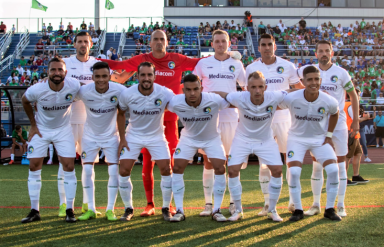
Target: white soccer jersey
pixel 278 77
pixel 335 81
pixel 255 120
pixel 200 123
pixel 221 76
pixel 101 110
pixel 309 119
pixel 146 112
pixel 53 108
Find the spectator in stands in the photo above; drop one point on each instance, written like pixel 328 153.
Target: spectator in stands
pixel 83 26
pixel 39 47
pixel 114 55
pixel 22 61
pixel 102 55
pixel 14 82
pixel 261 28
pixel 91 26
pixel 303 23
pixel 19 139
pixel 34 80
pixel 234 41
pixel 44 28
pixel 98 31
pixel 95 39
pixel 380 101
pixel 12 77
pixel 232 24
pixel 39 61
pixel 3 28
pixel 109 53
pixel 283 27
pixel 180 45
pixel 20 69
pixel 61 26
pixel 378 122
pixel 50 28
pixel 27 71
pixel 35 73
pixel 225 25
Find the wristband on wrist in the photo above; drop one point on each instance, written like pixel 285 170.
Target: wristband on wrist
pixel 329 134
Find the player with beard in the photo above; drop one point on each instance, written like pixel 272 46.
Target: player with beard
pixel 51 124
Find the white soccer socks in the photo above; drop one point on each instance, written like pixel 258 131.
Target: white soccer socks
pixel 34 187
pixel 208 179
pixel 295 186
pixel 218 191
pixel 166 189
pixel 274 189
pixel 287 174
pixel 70 186
pixel 125 188
pixel 342 185
pixel 332 171
pixel 264 177
pixel 178 189
pixel 113 186
pixel 89 186
pixel 60 184
pixel 12 156
pixel 317 180
pixel 235 190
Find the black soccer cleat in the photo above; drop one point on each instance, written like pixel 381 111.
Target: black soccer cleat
pixel 349 182
pixel 166 214
pixel 70 218
pixel 359 179
pixel 34 215
pixel 128 214
pixel 297 215
pixel 331 214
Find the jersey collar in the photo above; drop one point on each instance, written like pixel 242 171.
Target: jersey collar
pixel 261 60
pixel 327 69
pixel 89 57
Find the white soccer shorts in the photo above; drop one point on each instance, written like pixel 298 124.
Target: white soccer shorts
pixel 158 149
pixel 77 130
pixel 267 152
pixel 91 148
pixel 297 147
pixel 62 138
pixel 280 132
pixel 340 142
pixel 187 148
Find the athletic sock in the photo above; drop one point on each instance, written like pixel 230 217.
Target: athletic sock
pixel 70 186
pixel 317 181
pixel 274 192
pixel 12 156
pixel 113 185
pixel 295 186
pixel 34 188
pixel 264 177
pixel 332 171
pixel 218 191
pixel 85 197
pixel 89 186
pixel 60 184
pixel 125 188
pixel 342 184
pixel 178 189
pixel 208 179
pixel 147 175
pixel 166 189
pixel 235 189
pixel 50 147
pixel 287 174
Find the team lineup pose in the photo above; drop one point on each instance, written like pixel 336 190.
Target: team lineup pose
pixel 310 110
pixel 335 81
pixel 220 73
pixel 54 100
pixel 279 74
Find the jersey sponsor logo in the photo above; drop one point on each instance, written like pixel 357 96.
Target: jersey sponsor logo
pixel 158 102
pixel 83 77
pixel 171 65
pixel 207 110
pixel 30 149
pixel 290 154
pixel 56 108
pixel 274 80
pixel 73 68
pixel 280 70
pixel 68 97
pixel 164 73
pixel 222 76
pixel 114 99
pixel 145 112
pixel 83 155
pixel 332 88
pixel 269 108
pixel 334 78
pixel 297 107
pixel 102 110
pixel 232 68
pixel 310 119
pixel 321 110
pixel 197 119
pixel 261 118
pixel 177 151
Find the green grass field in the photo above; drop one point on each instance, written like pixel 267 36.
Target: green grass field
pixel 363 226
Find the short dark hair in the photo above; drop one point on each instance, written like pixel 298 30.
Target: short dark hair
pixel 192 78
pixel 146 64
pixel 310 69
pixel 17 127
pixel 57 60
pixel 266 36
pixel 323 42
pixel 100 65
pixel 82 34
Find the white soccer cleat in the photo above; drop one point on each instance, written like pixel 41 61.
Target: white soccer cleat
pixel 179 216
pixel 49 162
pixel 264 211
pixel 218 216
pixel 237 215
pixel 313 211
pixel 367 159
pixel 291 207
pixel 273 215
pixel 232 208
pixel 341 212
pixel 207 210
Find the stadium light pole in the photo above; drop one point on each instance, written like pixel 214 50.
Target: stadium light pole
pixel 97 14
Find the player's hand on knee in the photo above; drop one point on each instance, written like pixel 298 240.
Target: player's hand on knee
pixel 123 144
pixel 329 141
pixel 33 131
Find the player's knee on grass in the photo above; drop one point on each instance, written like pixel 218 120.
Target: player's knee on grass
pixel 165 167
pixel 35 164
pixel 234 171
pixel 68 163
pixel 218 166
pixel 179 166
pixel 276 171
pixel 126 167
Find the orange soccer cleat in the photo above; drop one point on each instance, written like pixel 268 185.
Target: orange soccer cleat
pixel 149 210
pixel 172 209
pixel 11 162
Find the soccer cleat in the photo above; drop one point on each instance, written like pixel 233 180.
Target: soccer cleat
pixel 207 210
pixel 331 214
pixel 263 211
pixel 218 216
pixel 11 162
pixel 359 179
pixel 98 213
pixel 128 214
pixel 231 208
pixel 377 145
pixel 34 215
pixel 367 160
pixel 291 207
pixel 273 215
pixel 179 216
pixel 84 208
pixel 70 218
pixel 149 210
pixel 62 210
pixel 237 215
pixel 349 183
pixel 312 211
pixel 297 215
pixel 110 215
pixel 341 212
pixel 49 162
pixel 166 214
pixel 172 209
pixel 88 215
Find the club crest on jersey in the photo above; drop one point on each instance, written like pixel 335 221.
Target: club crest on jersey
pixel 171 65
pixel 30 149
pixel 232 68
pixel 229 157
pixel 158 102
pixel 321 110
pixel 83 155
pixel 113 99
pixel 290 154
pixel 91 69
pixel 207 110
pixel 280 70
pixel 122 152
pixel 269 108
pixel 177 151
pixel 334 78
pixel 68 97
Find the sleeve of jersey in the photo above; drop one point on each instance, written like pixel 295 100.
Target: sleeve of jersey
pixel 299 72
pixel 32 93
pixel 333 105
pixel 169 94
pixel 294 77
pixel 197 70
pixel 242 79
pixel 128 65
pixel 247 73
pixel 233 98
pixel 122 102
pixel 188 63
pixel 285 103
pixel 280 95
pixel 171 104
pixel 350 112
pixel 347 82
